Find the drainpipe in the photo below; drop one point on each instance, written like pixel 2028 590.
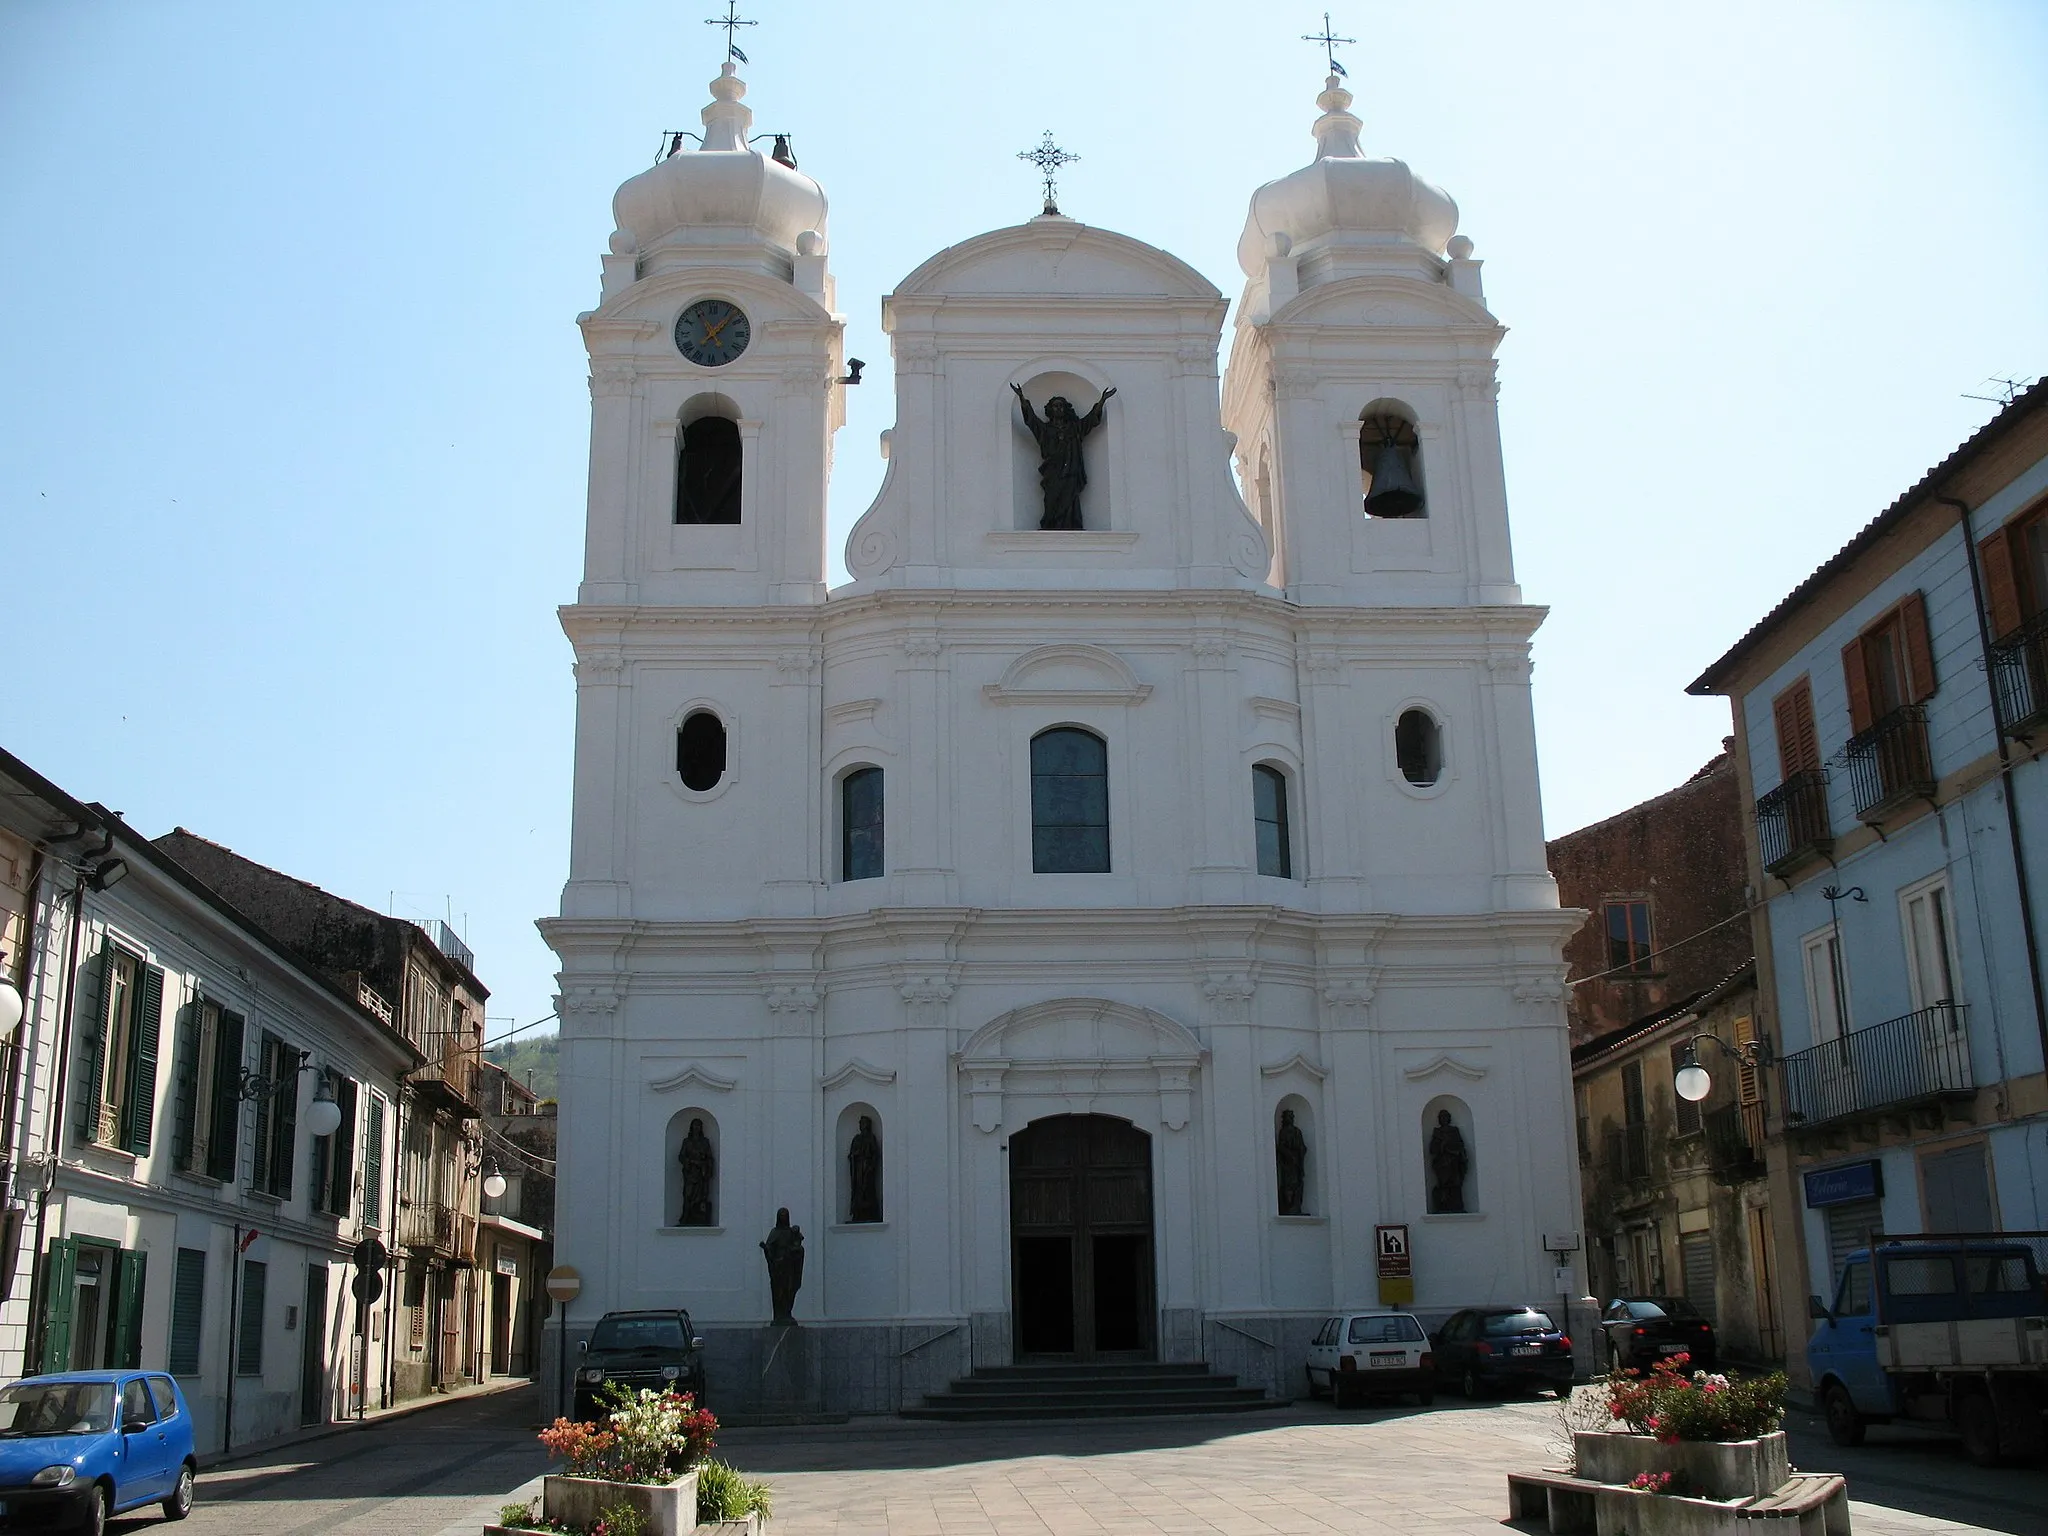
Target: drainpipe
pixel 53 1123
pixel 2012 809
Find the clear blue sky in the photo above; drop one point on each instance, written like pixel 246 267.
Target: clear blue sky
pixel 292 462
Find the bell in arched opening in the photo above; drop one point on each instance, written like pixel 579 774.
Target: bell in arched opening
pixel 1389 455
pixel 708 472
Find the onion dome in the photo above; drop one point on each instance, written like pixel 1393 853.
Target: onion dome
pixel 1344 198
pixel 724 191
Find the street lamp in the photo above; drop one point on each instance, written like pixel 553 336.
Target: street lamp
pixel 494 1182
pixel 1694 1082
pixel 323 1116
pixel 10 1007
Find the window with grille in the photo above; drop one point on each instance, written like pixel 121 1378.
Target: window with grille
pixel 1069 802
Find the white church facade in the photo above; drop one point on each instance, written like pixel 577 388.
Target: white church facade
pixel 1079 865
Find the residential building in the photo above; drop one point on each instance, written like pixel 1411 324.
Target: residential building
pixel 170 1205
pixel 516 1225
pixel 1125 897
pixel 1675 1197
pixel 418 979
pixel 1889 722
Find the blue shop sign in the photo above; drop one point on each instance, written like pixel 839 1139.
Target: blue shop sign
pixel 1850 1181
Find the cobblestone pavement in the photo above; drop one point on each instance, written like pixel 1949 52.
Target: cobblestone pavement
pixel 413 1476
pixel 1302 1469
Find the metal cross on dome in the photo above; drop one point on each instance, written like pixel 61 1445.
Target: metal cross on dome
pixel 1329 41
pixel 731 21
pixel 1048 157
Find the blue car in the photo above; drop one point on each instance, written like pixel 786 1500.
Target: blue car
pixel 80 1447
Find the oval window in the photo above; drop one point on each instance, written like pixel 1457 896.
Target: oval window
pixel 700 751
pixel 1419 747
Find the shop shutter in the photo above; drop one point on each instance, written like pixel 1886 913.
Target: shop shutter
pixel 249 1347
pixel 1920 680
pixel 1696 1263
pixel 60 1293
pixel 1849 1225
pixel 188 1311
pixel 223 1145
pixel 1957 1189
pixel 124 1345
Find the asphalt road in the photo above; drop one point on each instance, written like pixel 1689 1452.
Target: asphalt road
pixel 410 1476
pixel 1922 1472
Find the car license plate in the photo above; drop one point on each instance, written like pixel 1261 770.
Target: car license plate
pixel 1396 1357
pixel 1526 1349
pixel 1670 1349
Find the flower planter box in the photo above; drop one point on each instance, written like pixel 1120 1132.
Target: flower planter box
pixel 753 1525
pixel 1733 1469
pixel 670 1509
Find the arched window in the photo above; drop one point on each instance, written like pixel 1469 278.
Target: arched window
pixel 700 751
pixel 1390 464
pixel 1069 803
pixel 1419 747
pixel 708 471
pixel 860 824
pixel 1269 815
pixel 691 1184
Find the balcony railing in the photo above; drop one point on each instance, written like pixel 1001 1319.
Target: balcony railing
pixel 2019 670
pixel 1734 1143
pixel 438 1229
pixel 449 942
pixel 1889 763
pixel 453 1069
pixel 1628 1153
pixel 1792 821
pixel 1920 1056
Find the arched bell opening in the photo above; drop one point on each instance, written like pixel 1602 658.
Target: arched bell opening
pixel 708 461
pixel 1390 462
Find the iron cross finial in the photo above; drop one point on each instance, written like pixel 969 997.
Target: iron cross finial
pixel 1048 157
pixel 1328 41
pixel 731 21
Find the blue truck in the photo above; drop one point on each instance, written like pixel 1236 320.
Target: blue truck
pixel 1945 1328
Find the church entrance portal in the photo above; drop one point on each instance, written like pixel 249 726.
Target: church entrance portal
pixel 1081 1239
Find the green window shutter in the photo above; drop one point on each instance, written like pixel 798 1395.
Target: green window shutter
pixel 286 1129
pixel 60 1291
pixel 124 1341
pixel 342 1161
pixel 185 1083
pixel 373 1165
pixel 95 989
pixel 188 1311
pixel 318 1195
pixel 266 1105
pixel 138 1116
pixel 223 1146
pixel 249 1347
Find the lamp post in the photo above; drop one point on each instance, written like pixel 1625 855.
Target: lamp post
pixel 1693 1082
pixel 323 1116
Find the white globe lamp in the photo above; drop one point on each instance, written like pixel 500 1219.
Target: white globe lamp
pixel 494 1183
pixel 10 1008
pixel 1692 1080
pixel 323 1118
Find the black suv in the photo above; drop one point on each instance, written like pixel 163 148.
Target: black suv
pixel 639 1349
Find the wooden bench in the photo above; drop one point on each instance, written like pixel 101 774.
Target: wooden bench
pixel 1568 1506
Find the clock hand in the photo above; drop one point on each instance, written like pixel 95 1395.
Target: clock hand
pixel 711 331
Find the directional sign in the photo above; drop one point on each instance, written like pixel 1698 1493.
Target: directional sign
pixel 564 1284
pixel 367 1285
pixel 1397 1279
pixel 370 1254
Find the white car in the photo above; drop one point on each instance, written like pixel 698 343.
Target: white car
pixel 1357 1355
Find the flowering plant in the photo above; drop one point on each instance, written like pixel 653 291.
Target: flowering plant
pixel 1674 1483
pixel 646 1437
pixel 1673 1406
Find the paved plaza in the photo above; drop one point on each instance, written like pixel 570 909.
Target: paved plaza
pixel 1299 1469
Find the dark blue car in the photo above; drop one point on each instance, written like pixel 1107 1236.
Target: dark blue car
pixel 79 1447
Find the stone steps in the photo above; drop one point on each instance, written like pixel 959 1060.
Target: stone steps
pixel 1087 1391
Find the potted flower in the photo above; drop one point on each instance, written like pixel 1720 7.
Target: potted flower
pixel 1711 1433
pixel 642 1457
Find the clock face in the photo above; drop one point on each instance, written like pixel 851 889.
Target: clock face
pixel 712 332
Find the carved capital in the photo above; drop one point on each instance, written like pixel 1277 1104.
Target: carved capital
pixel 1212 650
pixel 1296 384
pixel 600 668
pixel 588 1007
pixel 1510 668
pixel 925 989
pixel 1348 999
pixel 917 356
pixel 1194 356
pixel 804 379
pixel 921 648
pixel 796 666
pixel 1229 998
pixel 613 379
pixel 792 999
pixel 1325 666
pixel 1540 990
pixel 1476 381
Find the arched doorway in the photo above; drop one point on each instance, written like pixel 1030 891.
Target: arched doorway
pixel 1081 1239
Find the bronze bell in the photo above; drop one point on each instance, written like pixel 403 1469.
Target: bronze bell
pixel 1394 492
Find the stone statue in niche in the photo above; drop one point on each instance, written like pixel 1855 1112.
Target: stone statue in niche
pixel 1290 1152
pixel 1448 1164
pixel 1061 474
pixel 784 1249
pixel 700 1165
pixel 864 1174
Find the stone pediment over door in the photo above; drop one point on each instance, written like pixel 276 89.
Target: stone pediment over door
pixel 1068 674
pixel 1080 1055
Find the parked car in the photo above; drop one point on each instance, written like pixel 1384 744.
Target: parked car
pixel 1641 1330
pixel 1485 1349
pixel 79 1447
pixel 1357 1355
pixel 640 1349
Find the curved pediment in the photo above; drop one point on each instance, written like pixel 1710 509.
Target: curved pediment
pixel 1081 1030
pixel 1056 256
pixel 1068 674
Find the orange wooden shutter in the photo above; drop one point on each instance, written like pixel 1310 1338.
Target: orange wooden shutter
pixel 2001 584
pixel 1857 675
pixel 1798 746
pixel 1920 682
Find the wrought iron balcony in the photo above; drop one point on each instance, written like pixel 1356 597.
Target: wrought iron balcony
pixel 1628 1153
pixel 1889 764
pixel 1734 1143
pixel 438 1229
pixel 1792 821
pixel 451 1072
pixel 2019 671
pixel 1912 1059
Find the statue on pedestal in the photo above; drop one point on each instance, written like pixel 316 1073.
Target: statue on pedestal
pixel 784 1249
pixel 1448 1164
pixel 1290 1153
pixel 864 1174
pixel 700 1166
